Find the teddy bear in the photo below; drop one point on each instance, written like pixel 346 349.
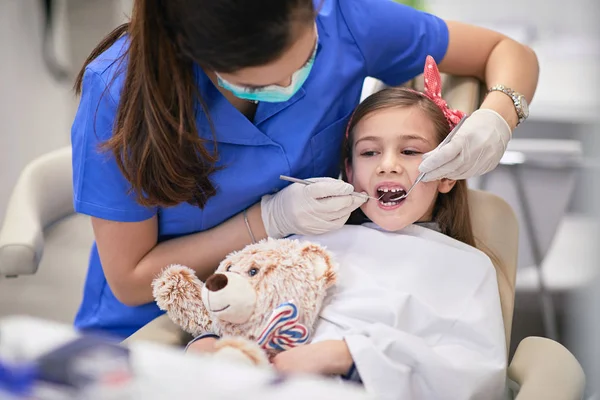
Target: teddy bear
pixel 261 300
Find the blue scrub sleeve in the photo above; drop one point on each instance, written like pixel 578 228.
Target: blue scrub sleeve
pixel 99 188
pixel 393 38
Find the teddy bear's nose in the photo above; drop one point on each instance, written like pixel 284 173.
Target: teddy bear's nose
pixel 216 282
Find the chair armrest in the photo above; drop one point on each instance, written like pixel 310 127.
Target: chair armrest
pixel 544 369
pixel 42 195
pixel 160 330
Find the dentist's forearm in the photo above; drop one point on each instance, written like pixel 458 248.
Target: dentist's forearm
pixel 494 59
pixel 202 251
pixel 515 66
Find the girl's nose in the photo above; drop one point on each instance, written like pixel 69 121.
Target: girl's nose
pixel 389 164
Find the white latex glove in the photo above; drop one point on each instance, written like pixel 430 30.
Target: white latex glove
pixel 309 209
pixel 475 149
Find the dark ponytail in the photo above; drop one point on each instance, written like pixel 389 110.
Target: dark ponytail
pixel 155 139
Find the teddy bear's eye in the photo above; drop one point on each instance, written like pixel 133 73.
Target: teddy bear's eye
pixel 253 271
pixel 229 268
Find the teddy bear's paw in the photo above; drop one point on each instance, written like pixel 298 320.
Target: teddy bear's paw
pixel 243 350
pixel 176 287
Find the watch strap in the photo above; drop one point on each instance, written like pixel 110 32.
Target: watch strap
pixel 516 99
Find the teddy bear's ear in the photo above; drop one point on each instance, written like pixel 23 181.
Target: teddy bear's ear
pixel 322 261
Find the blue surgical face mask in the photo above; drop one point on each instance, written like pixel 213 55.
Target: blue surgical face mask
pixel 272 93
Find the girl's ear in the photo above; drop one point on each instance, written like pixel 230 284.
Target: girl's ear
pixel 446 185
pixel 348 170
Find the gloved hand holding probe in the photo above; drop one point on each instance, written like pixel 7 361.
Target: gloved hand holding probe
pixel 320 207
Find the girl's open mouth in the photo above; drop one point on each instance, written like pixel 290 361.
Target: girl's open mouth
pixel 387 197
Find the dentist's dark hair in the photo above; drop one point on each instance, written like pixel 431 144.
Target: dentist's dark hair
pixel 155 138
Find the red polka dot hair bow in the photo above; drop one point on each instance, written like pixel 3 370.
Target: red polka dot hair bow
pixel 433 90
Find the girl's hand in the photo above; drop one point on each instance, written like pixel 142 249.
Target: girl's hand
pixel 324 358
pixel 206 345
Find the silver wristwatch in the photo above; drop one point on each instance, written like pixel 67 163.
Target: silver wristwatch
pixel 518 99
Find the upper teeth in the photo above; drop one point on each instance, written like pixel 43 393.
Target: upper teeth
pixel 390 190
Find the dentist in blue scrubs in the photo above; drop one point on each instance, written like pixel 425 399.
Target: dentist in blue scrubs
pixel 190 112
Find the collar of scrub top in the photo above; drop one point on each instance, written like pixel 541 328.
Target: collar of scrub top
pixel 217 103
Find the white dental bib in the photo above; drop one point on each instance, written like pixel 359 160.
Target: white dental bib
pixel 420 313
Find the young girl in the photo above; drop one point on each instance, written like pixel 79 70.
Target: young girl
pixel 416 312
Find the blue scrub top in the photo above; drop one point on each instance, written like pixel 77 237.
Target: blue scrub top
pixel 301 137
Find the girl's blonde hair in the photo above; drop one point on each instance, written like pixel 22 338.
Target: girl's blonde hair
pixel 451 210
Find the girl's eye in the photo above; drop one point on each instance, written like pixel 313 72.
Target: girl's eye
pixel 410 152
pixel 253 271
pixel 368 153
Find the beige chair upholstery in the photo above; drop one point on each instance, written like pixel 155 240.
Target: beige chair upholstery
pixel 161 330
pixel 542 368
pixel 495 226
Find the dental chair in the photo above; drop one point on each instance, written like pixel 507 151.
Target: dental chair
pixel 541 369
